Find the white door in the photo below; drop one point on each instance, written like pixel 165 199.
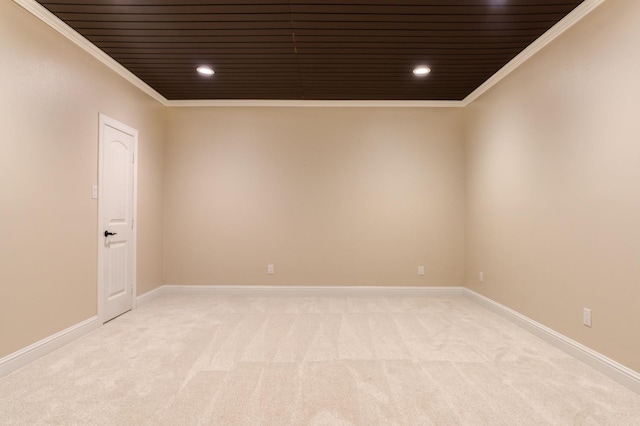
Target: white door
pixel 116 231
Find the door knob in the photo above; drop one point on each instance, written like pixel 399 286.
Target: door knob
pixel 107 233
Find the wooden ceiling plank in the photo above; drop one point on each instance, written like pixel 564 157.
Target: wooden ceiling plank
pixel 443 8
pixel 210 18
pixel 458 3
pixel 177 8
pixel 180 25
pixel 486 19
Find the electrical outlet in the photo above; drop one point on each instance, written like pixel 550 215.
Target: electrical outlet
pixel 586 317
pixel 481 277
pixel 420 270
pixel 270 269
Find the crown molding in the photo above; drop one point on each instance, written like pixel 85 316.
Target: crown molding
pixel 564 24
pixel 314 103
pixel 40 12
pixel 54 22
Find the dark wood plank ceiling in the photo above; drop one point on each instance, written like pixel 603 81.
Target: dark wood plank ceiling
pixel 312 49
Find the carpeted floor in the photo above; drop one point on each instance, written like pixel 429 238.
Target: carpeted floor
pixel 187 360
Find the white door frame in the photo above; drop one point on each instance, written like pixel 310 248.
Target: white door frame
pixel 105 120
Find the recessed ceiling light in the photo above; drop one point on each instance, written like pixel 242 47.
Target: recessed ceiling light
pixel 421 70
pixel 205 70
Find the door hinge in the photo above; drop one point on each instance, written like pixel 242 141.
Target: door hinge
pixel 132 221
pixel 133 158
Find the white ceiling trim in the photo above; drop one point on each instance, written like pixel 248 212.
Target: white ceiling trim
pixel 57 24
pixel 314 103
pixel 54 22
pixel 564 24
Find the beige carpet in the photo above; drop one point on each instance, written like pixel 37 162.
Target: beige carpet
pixel 187 360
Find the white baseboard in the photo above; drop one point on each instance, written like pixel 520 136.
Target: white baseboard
pixel 49 344
pixel 596 360
pixel 149 296
pixel 315 291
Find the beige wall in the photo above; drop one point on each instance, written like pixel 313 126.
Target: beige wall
pixel 50 95
pixel 330 196
pixel 553 185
